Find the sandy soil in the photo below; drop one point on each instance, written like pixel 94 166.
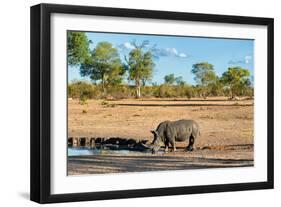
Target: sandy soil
pixel 226 130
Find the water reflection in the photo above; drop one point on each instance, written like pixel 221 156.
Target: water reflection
pixel 80 151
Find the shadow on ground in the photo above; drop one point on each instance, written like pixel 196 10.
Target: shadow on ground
pixel 116 164
pixel 179 105
pixel 24 195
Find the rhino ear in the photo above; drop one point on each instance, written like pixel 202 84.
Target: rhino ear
pixel 154 132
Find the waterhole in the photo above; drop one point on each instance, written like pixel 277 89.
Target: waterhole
pixel 80 151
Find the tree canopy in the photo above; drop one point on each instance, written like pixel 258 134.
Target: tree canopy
pixel 104 64
pixel 140 67
pixel 104 67
pixel 204 75
pixel 237 79
pixel 77 48
pixel 171 79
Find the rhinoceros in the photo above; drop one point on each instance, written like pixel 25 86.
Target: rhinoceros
pixel 168 132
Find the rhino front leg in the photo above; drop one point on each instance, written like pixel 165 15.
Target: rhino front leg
pixel 190 145
pixel 166 146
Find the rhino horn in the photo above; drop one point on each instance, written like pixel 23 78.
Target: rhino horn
pixel 146 146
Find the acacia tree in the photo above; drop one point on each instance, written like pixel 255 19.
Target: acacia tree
pixel 104 64
pixel 77 48
pixel 237 79
pixel 170 79
pixel 179 81
pixel 204 75
pixel 140 67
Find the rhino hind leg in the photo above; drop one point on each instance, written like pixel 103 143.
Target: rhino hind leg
pixel 174 146
pixel 191 142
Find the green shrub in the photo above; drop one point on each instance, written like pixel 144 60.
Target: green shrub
pixel 107 104
pixel 84 91
pixel 83 101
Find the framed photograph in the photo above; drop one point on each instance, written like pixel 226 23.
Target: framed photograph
pixel 133 103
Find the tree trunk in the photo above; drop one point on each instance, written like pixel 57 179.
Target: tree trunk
pixel 231 94
pixel 138 87
pixel 103 86
pixel 204 92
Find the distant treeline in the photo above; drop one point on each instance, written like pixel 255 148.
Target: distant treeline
pixel 85 90
pixel 107 72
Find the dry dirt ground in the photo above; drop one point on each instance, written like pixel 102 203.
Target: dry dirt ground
pixel 226 132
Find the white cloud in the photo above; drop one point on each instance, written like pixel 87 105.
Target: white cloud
pixel 157 52
pixel 172 51
pixel 128 45
pixel 165 52
pixel 246 60
pixel 182 55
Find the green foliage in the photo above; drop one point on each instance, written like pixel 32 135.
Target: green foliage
pixel 237 80
pixel 107 104
pixel 83 90
pixel 171 91
pixel 104 103
pixel 83 100
pixel 170 79
pixel 185 90
pixel 204 73
pixel 205 76
pixel 140 67
pixel 104 65
pixel 166 91
pixel 216 88
pixel 77 47
pixel 179 80
pixel 121 91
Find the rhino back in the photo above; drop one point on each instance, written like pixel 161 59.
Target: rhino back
pixel 181 130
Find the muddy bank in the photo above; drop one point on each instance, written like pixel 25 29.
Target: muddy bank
pixel 199 159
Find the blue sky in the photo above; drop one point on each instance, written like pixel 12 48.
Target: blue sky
pixel 178 54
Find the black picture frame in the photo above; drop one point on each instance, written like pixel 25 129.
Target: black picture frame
pixel 41 99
